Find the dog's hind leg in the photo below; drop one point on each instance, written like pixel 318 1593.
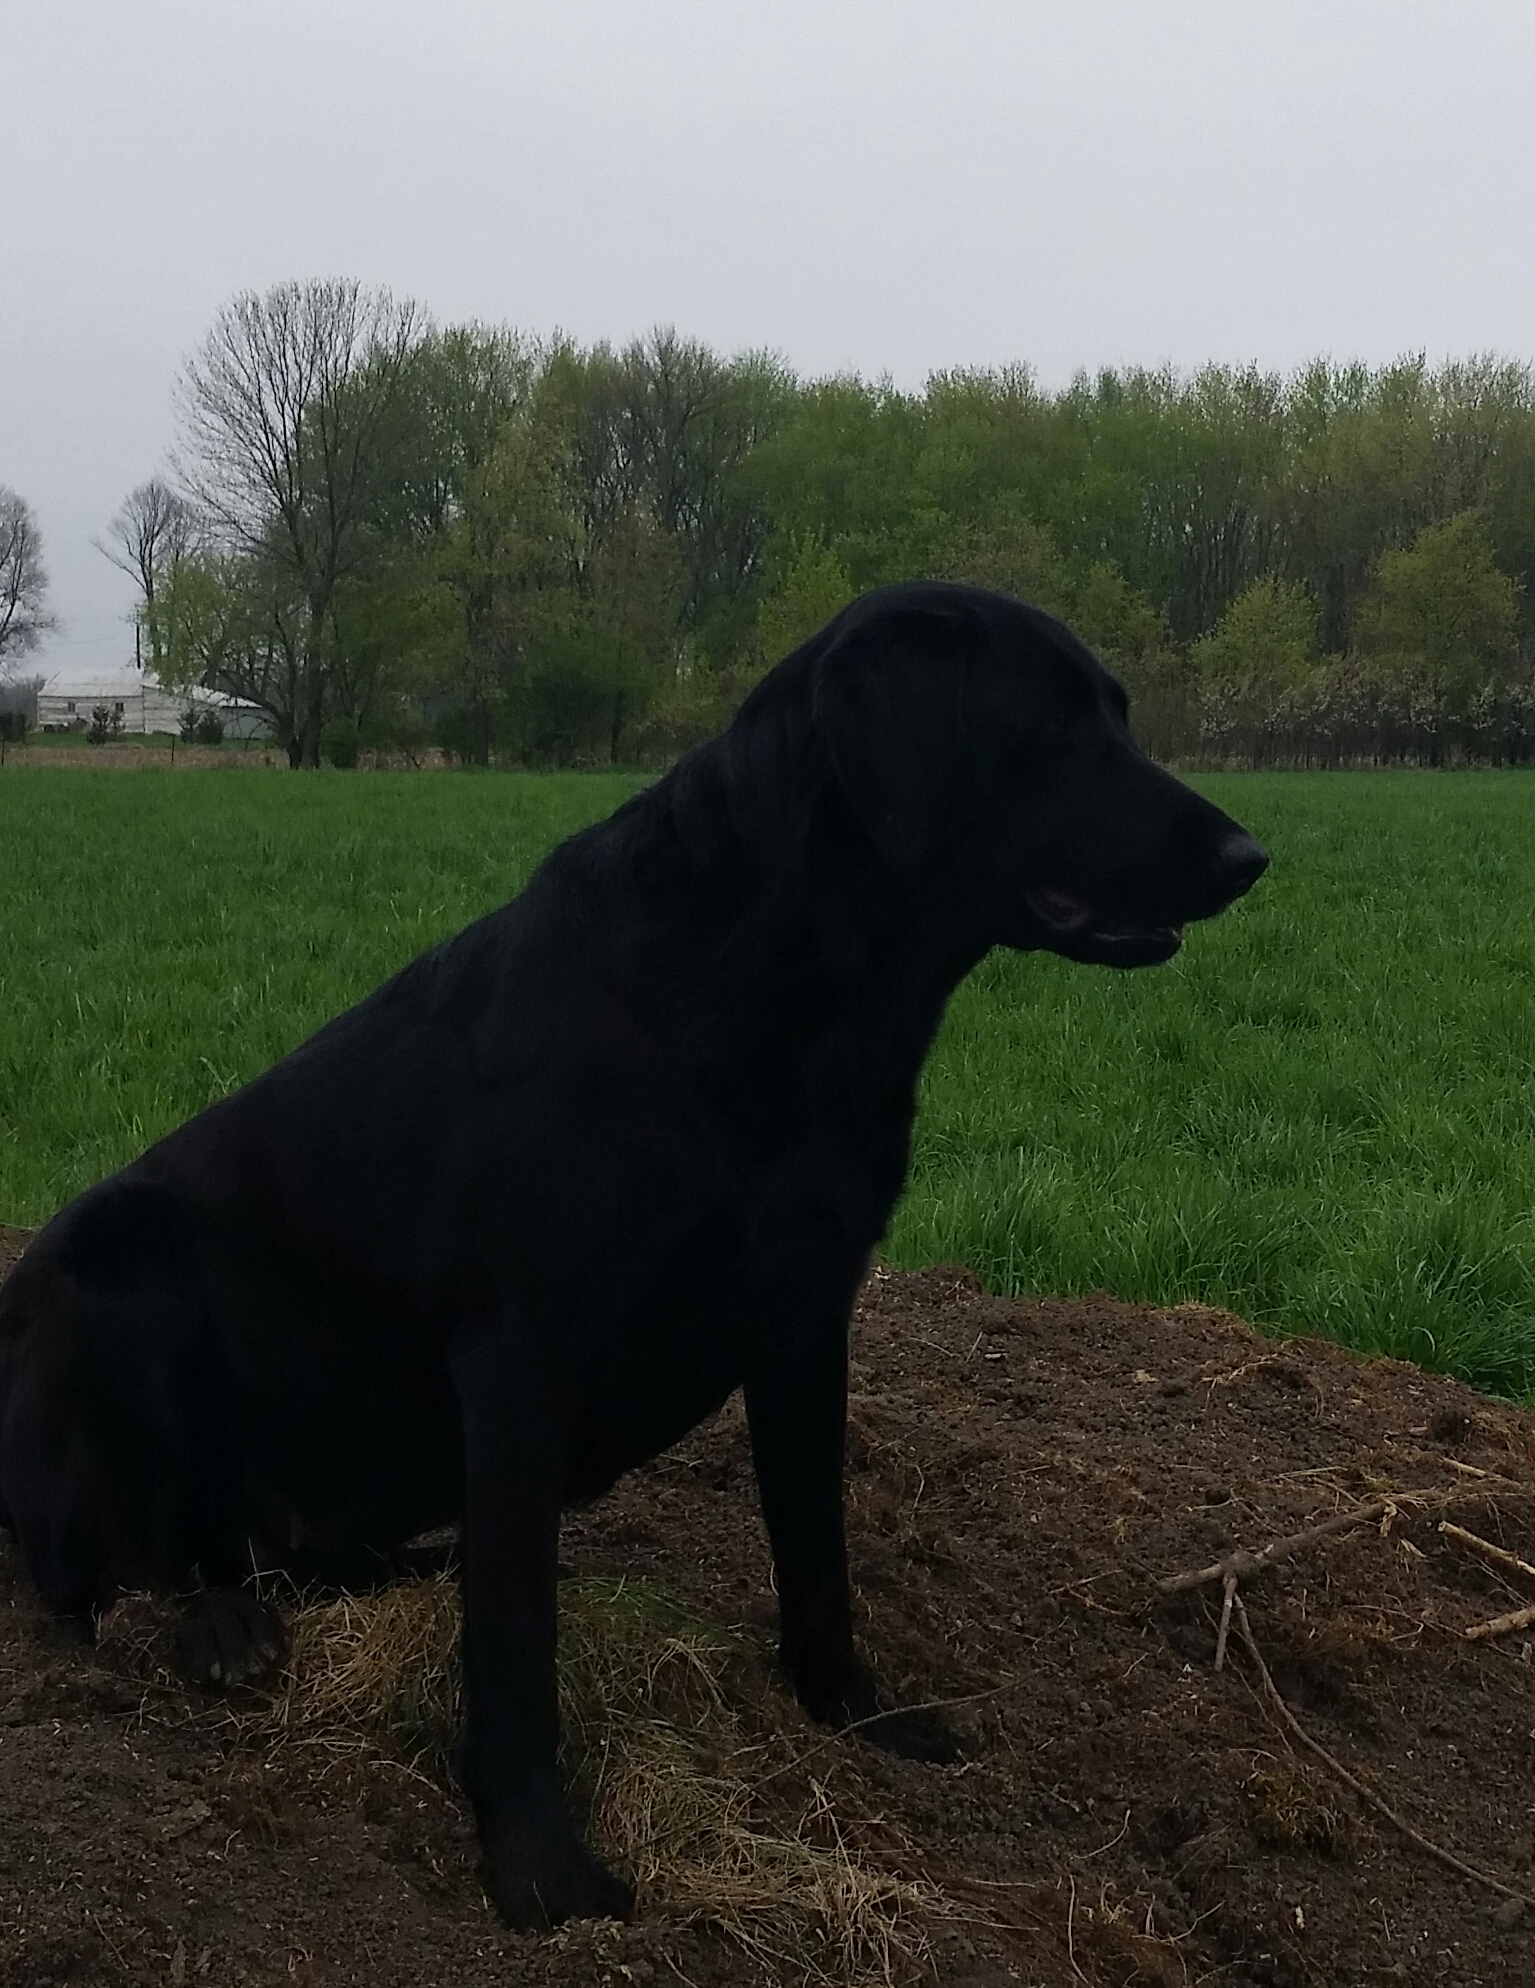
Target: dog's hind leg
pixel 62 1504
pixel 538 1871
pixel 166 1428
pixel 51 1509
pixel 119 1459
pixel 176 1443
pixel 796 1409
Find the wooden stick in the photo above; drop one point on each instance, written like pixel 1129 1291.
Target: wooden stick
pixel 1499 1555
pixel 1366 1795
pixel 1226 1600
pixel 1240 1562
pixel 1500 1625
pixel 1442 1462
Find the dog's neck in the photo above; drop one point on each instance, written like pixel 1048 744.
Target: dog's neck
pixel 762 807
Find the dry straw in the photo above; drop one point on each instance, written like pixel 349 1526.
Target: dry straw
pixel 672 1747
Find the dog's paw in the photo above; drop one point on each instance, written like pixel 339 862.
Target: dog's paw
pixel 539 1877
pixel 925 1736
pixel 849 1701
pixel 229 1637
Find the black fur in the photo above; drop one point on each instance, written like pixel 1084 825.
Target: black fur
pixel 525 1215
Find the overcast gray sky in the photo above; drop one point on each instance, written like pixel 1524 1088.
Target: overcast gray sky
pixel 876 185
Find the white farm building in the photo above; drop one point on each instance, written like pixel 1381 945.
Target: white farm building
pixel 138 706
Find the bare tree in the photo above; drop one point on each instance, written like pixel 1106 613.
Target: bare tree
pixel 24 619
pixel 291 412
pixel 668 424
pixel 148 539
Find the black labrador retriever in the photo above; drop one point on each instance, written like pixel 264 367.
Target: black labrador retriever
pixel 533 1209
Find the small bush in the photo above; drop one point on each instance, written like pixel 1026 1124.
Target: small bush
pixel 13 727
pixel 200 726
pixel 105 726
pixel 471 733
pixel 395 725
pixel 339 742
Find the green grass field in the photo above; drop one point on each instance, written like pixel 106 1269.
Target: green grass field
pixel 1321 1115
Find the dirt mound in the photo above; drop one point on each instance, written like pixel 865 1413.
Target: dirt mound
pixel 12 1243
pixel 1022 1478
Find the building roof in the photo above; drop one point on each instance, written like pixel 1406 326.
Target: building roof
pixel 83 693
pixel 113 692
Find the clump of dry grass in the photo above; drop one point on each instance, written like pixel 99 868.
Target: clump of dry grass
pixel 1295 1808
pixel 689 1786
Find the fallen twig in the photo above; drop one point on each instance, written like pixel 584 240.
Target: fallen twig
pixel 1225 1629
pixel 1118 1837
pixel 1365 1794
pixel 1071 1944
pixel 1240 1562
pixel 1499 1555
pixel 1519 1487
pixel 839 1733
pixel 1500 1625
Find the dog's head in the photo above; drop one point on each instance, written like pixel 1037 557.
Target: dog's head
pixel 977 740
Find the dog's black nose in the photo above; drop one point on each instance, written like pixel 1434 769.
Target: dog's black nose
pixel 1241 862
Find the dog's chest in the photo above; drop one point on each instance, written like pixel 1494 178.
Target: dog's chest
pixel 770 1271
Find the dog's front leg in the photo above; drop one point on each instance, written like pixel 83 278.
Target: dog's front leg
pixel 538 1871
pixel 797 1411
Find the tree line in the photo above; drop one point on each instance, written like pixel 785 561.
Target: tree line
pixel 392 534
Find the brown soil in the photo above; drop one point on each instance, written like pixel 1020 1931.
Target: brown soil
pixel 1021 1474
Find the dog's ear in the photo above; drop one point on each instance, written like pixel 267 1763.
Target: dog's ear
pixel 887 701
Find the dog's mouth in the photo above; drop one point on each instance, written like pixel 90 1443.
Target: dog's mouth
pixel 1081 933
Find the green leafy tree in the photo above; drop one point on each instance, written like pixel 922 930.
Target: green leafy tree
pixel 588 552
pixel 191 621
pixel 512 559
pixel 1443 613
pixel 1008 553
pixel 1254 670
pixel 666 428
pixel 842 473
pixel 635 581
pixel 447 518
pixel 814 587
pixel 234 624
pixel 1359 478
pixel 1122 625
